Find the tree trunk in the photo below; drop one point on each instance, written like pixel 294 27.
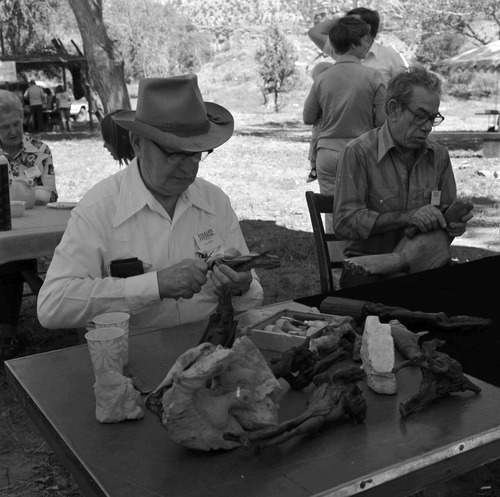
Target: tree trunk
pixel 105 63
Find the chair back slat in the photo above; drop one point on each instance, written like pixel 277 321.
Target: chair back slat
pixel 319 204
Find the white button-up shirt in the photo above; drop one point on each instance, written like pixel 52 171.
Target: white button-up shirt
pixel 118 219
pixel 386 59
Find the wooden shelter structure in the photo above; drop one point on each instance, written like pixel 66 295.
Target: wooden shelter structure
pixel 77 65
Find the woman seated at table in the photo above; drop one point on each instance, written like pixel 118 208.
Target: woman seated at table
pixel 29 160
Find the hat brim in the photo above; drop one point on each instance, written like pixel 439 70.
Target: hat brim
pixel 217 134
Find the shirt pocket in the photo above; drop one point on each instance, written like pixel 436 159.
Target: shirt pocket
pixel 420 196
pixel 384 199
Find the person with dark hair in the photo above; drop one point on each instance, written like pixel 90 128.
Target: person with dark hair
pixel 116 139
pixel 139 241
pixel 35 97
pixel 49 99
pixel 348 97
pixel 386 59
pixel 394 186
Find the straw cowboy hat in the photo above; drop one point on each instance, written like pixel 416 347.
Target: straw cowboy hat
pixel 172 113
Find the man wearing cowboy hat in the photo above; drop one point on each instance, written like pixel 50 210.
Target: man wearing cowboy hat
pixel 132 241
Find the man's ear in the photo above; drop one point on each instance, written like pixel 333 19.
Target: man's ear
pixel 135 140
pixel 393 109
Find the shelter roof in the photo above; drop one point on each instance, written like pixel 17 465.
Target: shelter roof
pixel 45 60
pixel 484 58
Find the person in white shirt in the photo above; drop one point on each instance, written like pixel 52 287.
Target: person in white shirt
pixel 386 59
pixel 131 244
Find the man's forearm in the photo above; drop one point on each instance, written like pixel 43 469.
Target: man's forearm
pixel 392 221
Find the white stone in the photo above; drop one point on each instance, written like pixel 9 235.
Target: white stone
pixel 378 356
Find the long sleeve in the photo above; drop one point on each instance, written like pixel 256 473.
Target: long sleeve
pixel 119 219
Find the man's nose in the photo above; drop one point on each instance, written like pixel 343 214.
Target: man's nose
pixel 427 125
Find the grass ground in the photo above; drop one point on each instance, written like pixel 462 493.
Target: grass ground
pixel 263 170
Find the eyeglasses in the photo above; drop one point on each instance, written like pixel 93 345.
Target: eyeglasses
pixel 180 156
pixel 420 118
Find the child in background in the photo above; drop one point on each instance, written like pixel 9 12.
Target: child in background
pixel 316 71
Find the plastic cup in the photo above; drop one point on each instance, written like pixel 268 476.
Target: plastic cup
pixel 118 320
pixel 106 349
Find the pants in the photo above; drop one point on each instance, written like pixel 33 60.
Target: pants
pixel 64 115
pixel 11 294
pixel 326 169
pixel 36 112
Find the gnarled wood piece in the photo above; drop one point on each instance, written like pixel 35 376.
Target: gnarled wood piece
pixel 453 214
pixel 415 252
pixel 246 262
pixel 405 341
pixel 299 365
pixel 330 401
pixel 435 319
pixel 441 375
pixel 221 327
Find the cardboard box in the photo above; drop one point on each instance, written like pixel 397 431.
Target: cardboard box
pixel 279 342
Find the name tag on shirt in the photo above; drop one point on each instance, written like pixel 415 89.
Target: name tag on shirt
pixel 436 197
pixel 208 240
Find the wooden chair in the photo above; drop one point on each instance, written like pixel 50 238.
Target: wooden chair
pixel 328 246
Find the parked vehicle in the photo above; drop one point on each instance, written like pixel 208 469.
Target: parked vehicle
pixel 79 110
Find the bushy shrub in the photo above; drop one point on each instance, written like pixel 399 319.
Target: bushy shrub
pixel 276 59
pixel 471 84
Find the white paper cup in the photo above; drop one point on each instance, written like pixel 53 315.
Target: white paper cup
pixel 106 349
pixel 118 320
pixel 42 195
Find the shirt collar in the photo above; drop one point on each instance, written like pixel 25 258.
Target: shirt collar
pixel 374 50
pixel 386 143
pixel 27 146
pixel 347 58
pixel 133 196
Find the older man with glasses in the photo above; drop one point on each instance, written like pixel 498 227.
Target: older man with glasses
pixel 394 182
pixel 132 241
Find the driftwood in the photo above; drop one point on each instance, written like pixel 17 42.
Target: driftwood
pixel 441 375
pixel 331 400
pixel 221 327
pixel 415 252
pixel 299 365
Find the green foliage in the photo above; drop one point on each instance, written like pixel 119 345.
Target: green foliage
pixel 276 64
pixel 435 48
pixel 479 21
pixel 23 25
pixel 155 39
pixel 225 17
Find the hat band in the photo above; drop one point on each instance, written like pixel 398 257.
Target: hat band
pixel 180 129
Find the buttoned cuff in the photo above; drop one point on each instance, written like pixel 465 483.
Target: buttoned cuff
pixel 142 291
